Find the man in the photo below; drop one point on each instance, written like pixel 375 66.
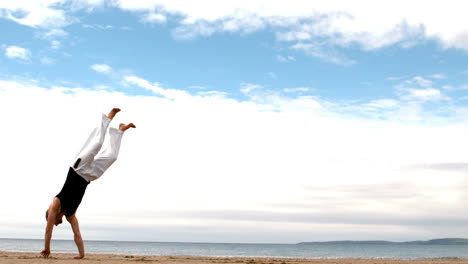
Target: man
pixel 89 165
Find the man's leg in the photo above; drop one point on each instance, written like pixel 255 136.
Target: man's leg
pixel 94 142
pixel 109 152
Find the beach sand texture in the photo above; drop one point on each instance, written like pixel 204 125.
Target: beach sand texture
pixel 20 257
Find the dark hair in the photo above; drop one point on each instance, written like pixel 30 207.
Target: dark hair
pixel 47 214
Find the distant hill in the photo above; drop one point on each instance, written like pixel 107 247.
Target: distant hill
pixel 439 241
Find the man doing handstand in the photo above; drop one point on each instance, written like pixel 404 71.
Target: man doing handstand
pixel 89 165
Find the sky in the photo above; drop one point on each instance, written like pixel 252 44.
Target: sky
pixel 257 121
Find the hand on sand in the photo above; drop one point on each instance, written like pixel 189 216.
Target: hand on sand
pixel 45 253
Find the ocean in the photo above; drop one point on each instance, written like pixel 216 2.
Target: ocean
pixel 396 251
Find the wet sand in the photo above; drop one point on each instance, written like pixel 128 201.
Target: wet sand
pixel 20 257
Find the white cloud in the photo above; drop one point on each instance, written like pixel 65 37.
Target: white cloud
pixel 298 165
pixel 420 81
pixel 320 30
pixel 417 100
pixel 369 24
pixel 246 88
pixel 101 68
pixel 154 18
pixel 419 89
pixel 55 44
pixel 102 87
pixel 213 94
pixel 285 58
pixel 47 60
pixel 447 87
pixel 272 100
pixel 438 76
pixel 155 87
pixel 293 36
pixel 96 26
pixel 429 94
pixel 194 30
pixel 462 87
pixel 383 103
pixel 15 52
pixel 41 13
pixel 296 89
pixel 457 40
pixel 198 87
pixel 321 52
pixel 52 34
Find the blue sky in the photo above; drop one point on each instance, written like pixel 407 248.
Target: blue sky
pixel 222 61
pixel 295 116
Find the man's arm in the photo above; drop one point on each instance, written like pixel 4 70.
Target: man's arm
pixel 77 235
pixel 52 215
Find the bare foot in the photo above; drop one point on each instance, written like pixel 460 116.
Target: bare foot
pixel 113 112
pixel 123 127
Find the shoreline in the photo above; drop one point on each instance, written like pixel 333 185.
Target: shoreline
pixel 18 252
pixel 13 257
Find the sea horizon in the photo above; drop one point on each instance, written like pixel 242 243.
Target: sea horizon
pixel 298 250
pixel 465 240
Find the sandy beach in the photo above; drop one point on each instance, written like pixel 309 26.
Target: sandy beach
pixel 20 257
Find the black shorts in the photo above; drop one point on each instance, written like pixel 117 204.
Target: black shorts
pixel 72 192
